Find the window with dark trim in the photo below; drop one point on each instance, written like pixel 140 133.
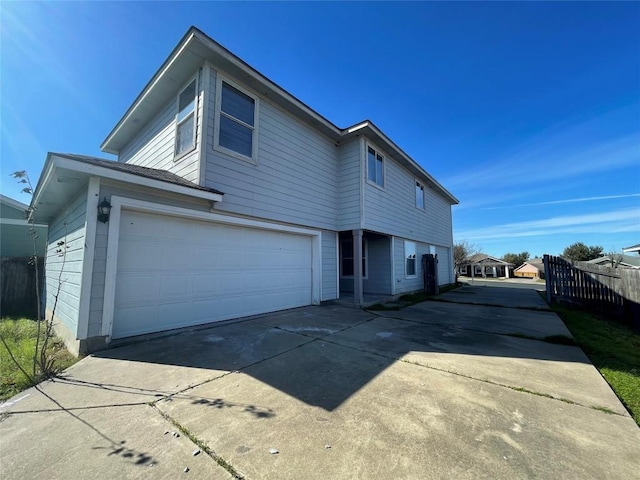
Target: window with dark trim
pixel 236 121
pixel 346 257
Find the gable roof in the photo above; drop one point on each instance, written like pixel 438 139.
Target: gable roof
pixel 484 259
pixel 13 203
pixel 537 263
pixel 192 51
pixel 64 175
pixel 632 248
pixel 625 260
pixel 152 173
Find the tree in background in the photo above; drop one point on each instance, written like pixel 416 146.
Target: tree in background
pixel 462 251
pixel 516 258
pixel 581 253
pixel 614 259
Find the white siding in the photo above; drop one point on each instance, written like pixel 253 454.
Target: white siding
pixel 329 266
pixel 445 271
pixel 63 270
pixel 295 179
pixel 404 284
pixel 154 145
pixel 349 178
pixel 392 210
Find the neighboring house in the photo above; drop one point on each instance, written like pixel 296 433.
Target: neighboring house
pixel 482 265
pixel 533 268
pixel 633 249
pixel 15 239
pixel 230 198
pixel 619 260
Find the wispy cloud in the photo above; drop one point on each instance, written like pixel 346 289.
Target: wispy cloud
pixel 626 220
pixel 569 200
pixel 560 152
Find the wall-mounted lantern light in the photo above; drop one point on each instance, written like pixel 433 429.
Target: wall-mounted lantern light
pixel 104 209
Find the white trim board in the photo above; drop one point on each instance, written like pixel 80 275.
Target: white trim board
pixel 15 221
pixel 13 203
pixel 104 172
pixel 91 223
pixel 118 203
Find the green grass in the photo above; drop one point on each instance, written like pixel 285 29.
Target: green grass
pixel 613 348
pixel 20 335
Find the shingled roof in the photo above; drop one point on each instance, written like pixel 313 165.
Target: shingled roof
pixel 153 173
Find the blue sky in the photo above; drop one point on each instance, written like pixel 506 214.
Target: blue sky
pixel 528 112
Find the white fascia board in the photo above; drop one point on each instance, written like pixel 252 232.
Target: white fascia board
pixel 45 178
pixel 194 35
pixel 135 179
pixel 13 203
pixel 250 71
pixel 14 221
pixel 147 90
pixel 378 133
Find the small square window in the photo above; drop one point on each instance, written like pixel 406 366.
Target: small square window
pixel 375 167
pixel 419 196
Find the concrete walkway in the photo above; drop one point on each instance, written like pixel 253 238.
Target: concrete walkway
pixel 443 389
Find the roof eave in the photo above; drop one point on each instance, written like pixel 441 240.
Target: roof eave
pixel 193 50
pixel 13 203
pixel 367 127
pixel 56 165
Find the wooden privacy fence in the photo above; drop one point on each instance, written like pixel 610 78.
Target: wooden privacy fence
pixel 606 289
pixel 18 286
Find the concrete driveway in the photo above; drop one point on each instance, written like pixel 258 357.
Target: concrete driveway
pixel 447 389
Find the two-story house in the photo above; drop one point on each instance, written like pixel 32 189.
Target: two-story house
pixel 230 198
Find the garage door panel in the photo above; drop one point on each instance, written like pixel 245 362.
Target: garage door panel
pixel 137 288
pixel 141 226
pixel 140 256
pixel 134 320
pixel 175 258
pixel 175 272
pixel 175 286
pixel 170 315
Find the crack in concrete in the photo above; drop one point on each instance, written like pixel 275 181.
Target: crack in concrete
pixel 235 473
pixel 455 327
pixel 484 380
pixel 485 304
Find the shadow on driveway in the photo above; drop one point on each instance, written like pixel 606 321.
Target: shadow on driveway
pixel 324 355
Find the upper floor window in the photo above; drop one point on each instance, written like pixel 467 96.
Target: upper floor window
pixel 186 119
pixel 410 269
pixel 419 195
pixel 375 167
pixel 235 121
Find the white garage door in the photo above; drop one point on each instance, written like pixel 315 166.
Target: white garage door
pixel 175 272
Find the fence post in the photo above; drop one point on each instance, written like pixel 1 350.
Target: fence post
pixel 549 277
